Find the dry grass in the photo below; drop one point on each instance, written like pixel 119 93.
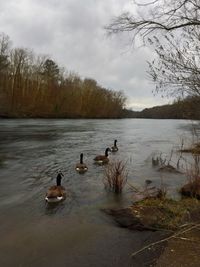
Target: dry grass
pixel 165 213
pixel 157 211
pixel 115 176
pixel 194 149
pixel 194 170
pixel 192 187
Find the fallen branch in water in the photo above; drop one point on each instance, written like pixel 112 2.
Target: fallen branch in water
pixel 165 239
pixel 133 188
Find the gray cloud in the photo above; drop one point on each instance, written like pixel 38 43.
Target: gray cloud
pixel 71 31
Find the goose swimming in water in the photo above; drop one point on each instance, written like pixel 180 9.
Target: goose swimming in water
pixel 81 167
pixel 103 159
pixel 56 192
pixel 114 148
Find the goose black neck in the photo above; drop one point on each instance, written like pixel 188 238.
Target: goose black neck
pixel 58 179
pixel 115 143
pixel 81 158
pixel 106 152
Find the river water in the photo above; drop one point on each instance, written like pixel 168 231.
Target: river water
pixel 76 232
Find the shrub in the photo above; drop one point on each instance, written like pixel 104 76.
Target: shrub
pixel 115 176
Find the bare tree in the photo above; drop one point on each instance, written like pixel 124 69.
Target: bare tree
pixel 19 69
pixel 4 51
pixel 167 15
pixel 32 85
pixel 173 29
pixel 176 68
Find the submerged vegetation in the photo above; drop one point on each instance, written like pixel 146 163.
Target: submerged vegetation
pixel 194 149
pixel 152 208
pixel 35 86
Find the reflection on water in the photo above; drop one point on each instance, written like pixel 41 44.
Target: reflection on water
pixel 53 208
pixel 33 151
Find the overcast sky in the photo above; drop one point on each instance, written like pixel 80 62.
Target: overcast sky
pixel 72 33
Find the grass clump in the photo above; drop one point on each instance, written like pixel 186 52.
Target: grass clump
pixel 115 176
pixel 192 187
pixel 164 213
pixel 194 149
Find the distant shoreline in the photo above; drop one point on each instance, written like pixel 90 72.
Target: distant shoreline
pixel 92 118
pixel 187 109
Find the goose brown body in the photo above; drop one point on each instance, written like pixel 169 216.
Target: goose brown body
pixel 102 159
pixel 57 192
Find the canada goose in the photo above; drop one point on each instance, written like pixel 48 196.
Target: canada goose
pixel 81 167
pixel 56 192
pixel 102 159
pixel 114 148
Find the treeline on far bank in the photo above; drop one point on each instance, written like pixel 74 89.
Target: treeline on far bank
pixel 188 108
pixel 35 86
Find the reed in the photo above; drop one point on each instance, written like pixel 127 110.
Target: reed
pixel 115 176
pixel 192 188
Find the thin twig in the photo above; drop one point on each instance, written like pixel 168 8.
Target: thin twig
pixel 165 239
pixel 186 239
pixel 133 187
